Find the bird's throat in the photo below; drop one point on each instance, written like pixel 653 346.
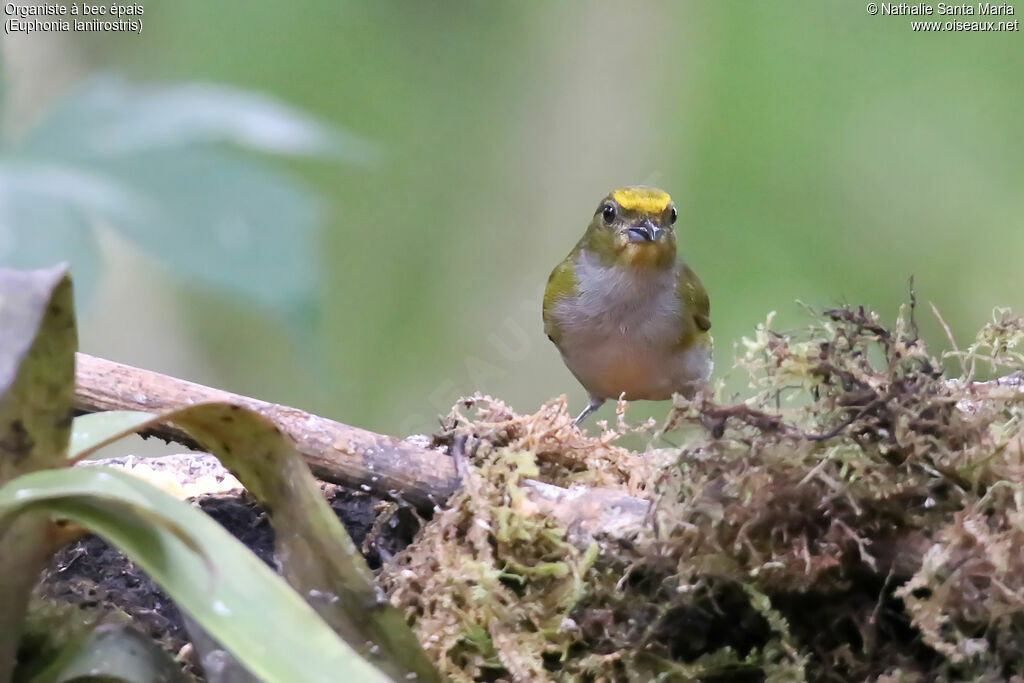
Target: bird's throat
pixel 644 255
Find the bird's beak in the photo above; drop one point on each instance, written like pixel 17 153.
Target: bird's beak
pixel 645 231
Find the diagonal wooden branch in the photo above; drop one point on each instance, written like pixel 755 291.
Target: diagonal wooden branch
pixel 356 458
pixel 349 456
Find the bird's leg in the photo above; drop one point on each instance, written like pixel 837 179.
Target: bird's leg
pixel 594 404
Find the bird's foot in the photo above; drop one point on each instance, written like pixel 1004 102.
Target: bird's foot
pixel 594 404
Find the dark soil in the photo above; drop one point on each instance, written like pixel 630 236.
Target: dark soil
pixel 92 574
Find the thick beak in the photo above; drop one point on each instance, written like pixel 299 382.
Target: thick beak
pixel 644 232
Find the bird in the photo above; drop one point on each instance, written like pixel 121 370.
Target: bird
pixel 629 318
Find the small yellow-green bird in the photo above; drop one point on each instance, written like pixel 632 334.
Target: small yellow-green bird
pixel 627 316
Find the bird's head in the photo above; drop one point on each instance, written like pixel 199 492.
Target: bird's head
pixel 633 227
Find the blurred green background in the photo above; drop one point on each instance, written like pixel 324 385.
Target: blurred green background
pixel 815 153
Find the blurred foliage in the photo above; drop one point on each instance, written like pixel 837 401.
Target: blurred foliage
pixel 149 164
pixel 815 152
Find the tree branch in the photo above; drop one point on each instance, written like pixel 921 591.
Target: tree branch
pixel 353 457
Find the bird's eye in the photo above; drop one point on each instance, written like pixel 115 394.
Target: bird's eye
pixel 608 212
pixel 672 215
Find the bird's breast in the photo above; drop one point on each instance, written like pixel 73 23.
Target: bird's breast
pixel 620 333
pixel 616 301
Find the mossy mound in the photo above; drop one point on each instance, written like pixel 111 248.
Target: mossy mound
pixel 860 516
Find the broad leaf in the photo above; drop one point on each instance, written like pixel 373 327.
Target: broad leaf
pixel 108 117
pixel 89 433
pixel 216 579
pixel 161 167
pixel 112 652
pixel 37 369
pixel 38 227
pixel 37 375
pixel 315 553
pixel 224 221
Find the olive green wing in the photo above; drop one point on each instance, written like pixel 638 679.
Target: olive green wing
pixel 561 284
pixel 695 301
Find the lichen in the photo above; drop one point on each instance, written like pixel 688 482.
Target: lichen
pixel 859 515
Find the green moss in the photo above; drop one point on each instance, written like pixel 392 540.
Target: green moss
pixel 857 516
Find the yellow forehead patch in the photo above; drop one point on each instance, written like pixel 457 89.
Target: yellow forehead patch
pixel 643 199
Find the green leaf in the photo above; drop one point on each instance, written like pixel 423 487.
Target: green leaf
pixel 37 376
pixel 37 369
pixel 108 116
pixel 115 652
pixel 316 554
pixel 89 433
pixel 222 221
pixel 211 217
pixel 37 231
pixel 223 586
pixel 160 165
pixel 51 633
